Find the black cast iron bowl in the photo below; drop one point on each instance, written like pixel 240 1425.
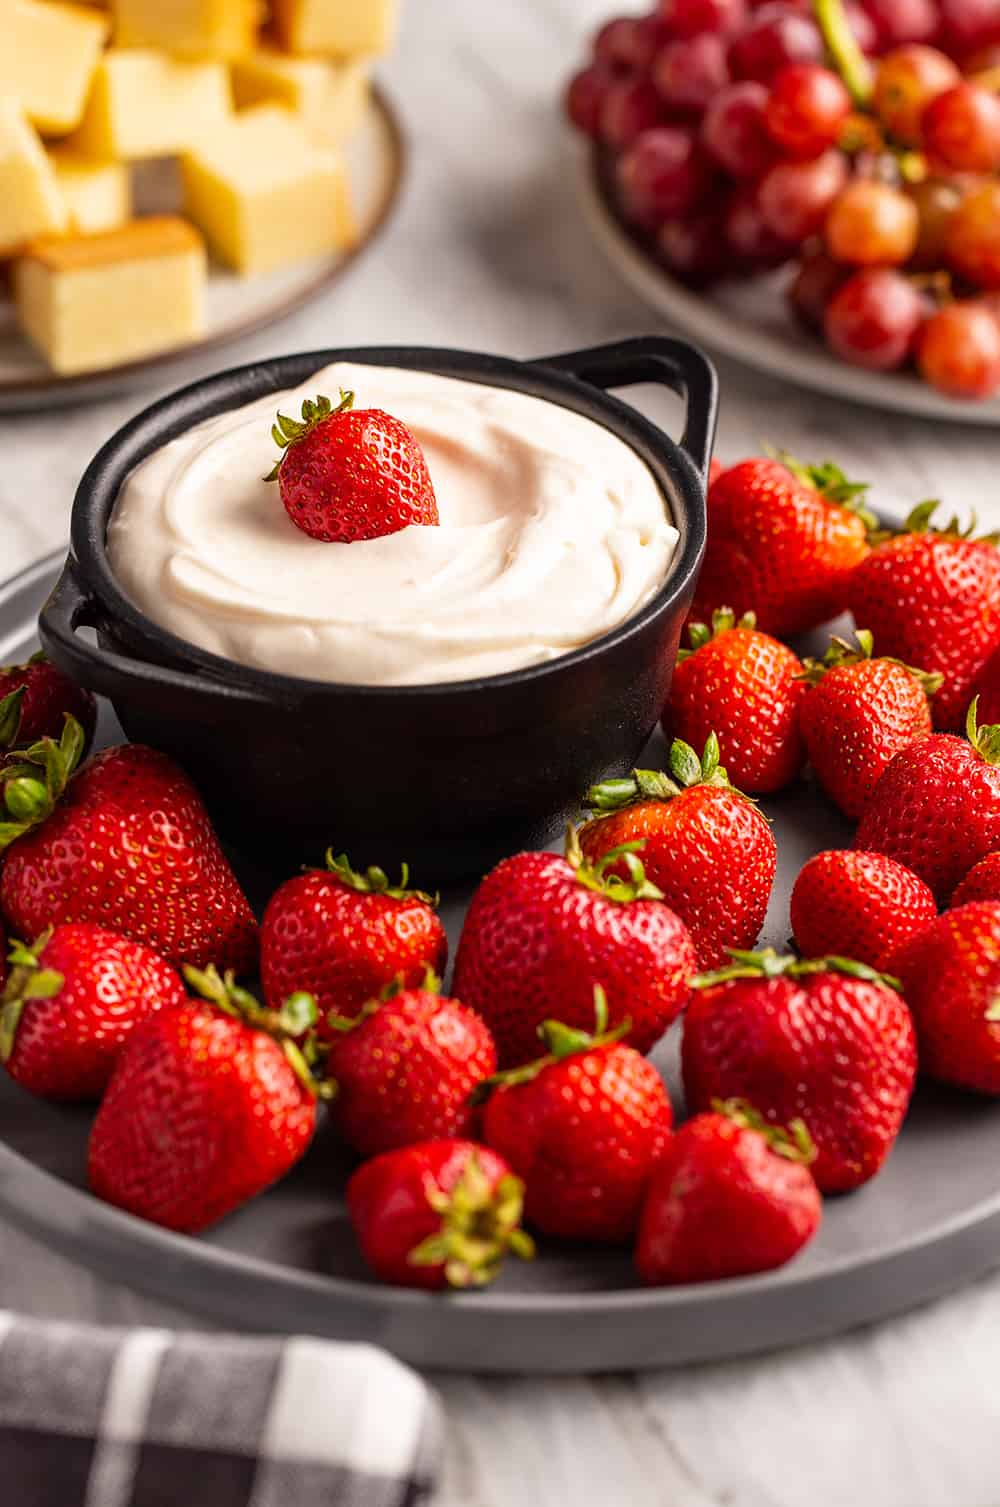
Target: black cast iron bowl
pixel 447 776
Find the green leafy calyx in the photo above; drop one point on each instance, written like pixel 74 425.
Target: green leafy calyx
pixel 768 964
pixel 918 521
pixel 375 881
pixel 842 655
pixel 985 740
pixel 794 1143
pixel 724 620
pixel 34 779
pixel 560 1041
pixel 431 984
pixel 479 1225
pixel 684 771
pixel 27 980
pixel 833 484
pixel 293 1026
pixel 286 432
pixel 594 875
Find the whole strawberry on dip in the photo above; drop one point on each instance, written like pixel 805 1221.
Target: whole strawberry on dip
pixel 434 530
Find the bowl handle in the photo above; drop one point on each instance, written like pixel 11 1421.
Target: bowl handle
pixel 69 608
pixel 655 358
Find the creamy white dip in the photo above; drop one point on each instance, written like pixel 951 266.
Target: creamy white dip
pixel 552 532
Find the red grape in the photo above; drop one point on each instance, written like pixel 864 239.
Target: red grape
pixel 972 239
pixel 774 36
pixel 970 23
pixel 631 106
pixel 795 197
pixel 695 249
pixel 749 239
pixel 734 131
pixel 818 278
pixel 630 43
pixel 873 319
pixel 898 21
pixel 585 98
pixel 689 18
pixel 661 176
pixel 872 225
pixel 689 73
pixel 962 130
pixel 959 350
pixel 906 82
pixel 936 200
pixel 807 109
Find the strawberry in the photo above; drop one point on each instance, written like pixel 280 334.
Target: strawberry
pixel 783 540
pixel 209 1104
pixel 715 470
pixel 542 930
pixel 583 1127
pixel 858 905
pixel 405 1068
pixel 706 846
pixel 35 699
pixel 936 808
pixel 827 1041
pixel 345 935
pixel 742 685
pixel 950 975
pixel 982 882
pixel 438 1214
pixel 72 1002
pixel 859 713
pixel 124 843
pixel 351 473
pixel 731 1195
pixel 932 599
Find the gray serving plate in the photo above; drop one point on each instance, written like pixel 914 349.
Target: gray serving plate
pixel 929 1223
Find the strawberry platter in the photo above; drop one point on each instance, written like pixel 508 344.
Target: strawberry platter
pixel 645 1090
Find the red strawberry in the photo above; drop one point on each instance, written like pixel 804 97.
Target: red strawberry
pixel 72 1002
pixel 730 1196
pixel 36 698
pixel 932 598
pixel 705 845
pixel 743 686
pixel 826 1041
pixel 438 1214
pixel 950 975
pixel 858 905
pixel 715 470
pixel 405 1068
pixel 209 1104
pixel 583 1126
pixel 542 930
pixel 982 882
pixel 988 689
pixel 351 473
pixel 344 936
pixel 858 715
pixel 782 543
pixel 124 843
pixel 937 807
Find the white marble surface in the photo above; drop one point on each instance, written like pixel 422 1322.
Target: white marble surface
pixel 487 251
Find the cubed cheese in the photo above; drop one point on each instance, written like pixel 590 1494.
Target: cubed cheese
pixel 264 194
pixel 341 27
pixel 94 301
pixel 48 54
pixel 328 96
pixel 30 201
pixel 189 28
pixel 144 104
pixel 98 195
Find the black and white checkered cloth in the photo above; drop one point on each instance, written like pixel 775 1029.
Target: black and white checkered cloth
pixel 94 1417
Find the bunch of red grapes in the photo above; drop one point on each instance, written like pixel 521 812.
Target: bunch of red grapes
pixel 857 139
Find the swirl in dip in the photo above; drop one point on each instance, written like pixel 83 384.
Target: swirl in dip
pixel 552 532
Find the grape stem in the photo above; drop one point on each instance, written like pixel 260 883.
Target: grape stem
pixel 842 45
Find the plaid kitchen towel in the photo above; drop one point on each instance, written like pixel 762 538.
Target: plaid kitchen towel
pixel 93 1417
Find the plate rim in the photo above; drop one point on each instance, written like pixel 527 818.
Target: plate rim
pixel 17 391
pixel 757 348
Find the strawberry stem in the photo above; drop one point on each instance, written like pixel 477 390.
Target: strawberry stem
pixel 842 654
pixel 375 881
pixel 479 1225
pixel 795 1143
pixel 685 771
pixel 286 432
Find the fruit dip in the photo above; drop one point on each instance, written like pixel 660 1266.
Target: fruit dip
pixel 552 533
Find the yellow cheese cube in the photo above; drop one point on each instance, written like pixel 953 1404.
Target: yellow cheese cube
pixel 341 27
pixel 144 104
pixel 90 302
pixel 190 28
pixel 30 201
pixel 98 195
pixel 329 97
pixel 48 54
pixel 264 194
